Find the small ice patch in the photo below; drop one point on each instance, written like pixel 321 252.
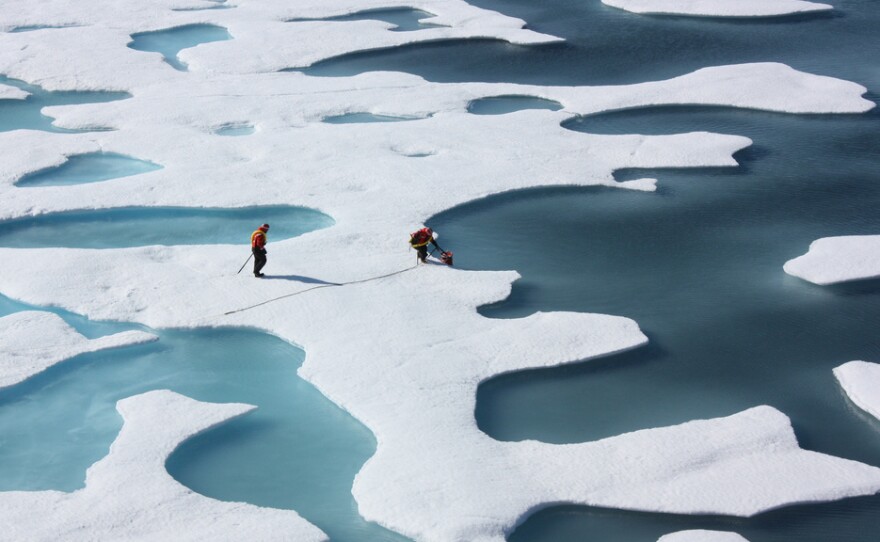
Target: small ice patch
pixel 861 382
pixel 699 535
pixel 718 8
pixel 838 259
pixel 9 92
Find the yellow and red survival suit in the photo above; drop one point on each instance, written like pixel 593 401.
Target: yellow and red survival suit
pixel 258 247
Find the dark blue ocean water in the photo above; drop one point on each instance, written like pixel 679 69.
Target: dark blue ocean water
pixel 698 264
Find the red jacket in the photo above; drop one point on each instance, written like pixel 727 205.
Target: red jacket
pixel 420 238
pixel 258 238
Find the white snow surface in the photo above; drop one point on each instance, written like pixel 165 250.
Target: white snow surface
pixel 861 382
pixel 9 92
pixel 719 8
pixel 700 535
pixel 838 259
pixel 129 495
pixel 33 341
pixel 403 354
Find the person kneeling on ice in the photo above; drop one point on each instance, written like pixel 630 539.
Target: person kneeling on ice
pixel 420 239
pixel 258 247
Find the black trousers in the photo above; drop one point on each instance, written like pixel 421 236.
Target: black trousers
pixel 422 252
pixel 259 259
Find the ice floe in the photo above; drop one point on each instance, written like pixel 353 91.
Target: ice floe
pixel 838 259
pixel 130 496
pixel 403 353
pixel 699 535
pixel 719 8
pixel 861 382
pixel 9 92
pixel 33 341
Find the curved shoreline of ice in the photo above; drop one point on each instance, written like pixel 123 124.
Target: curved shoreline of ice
pixel 861 382
pixel 79 55
pixel 831 260
pixel 403 354
pixel 719 8
pixel 288 116
pixel 701 535
pixel 145 502
pixel 33 341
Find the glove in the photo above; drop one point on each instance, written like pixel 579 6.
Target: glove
pixel 265 252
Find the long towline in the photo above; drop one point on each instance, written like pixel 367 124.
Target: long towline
pixel 320 286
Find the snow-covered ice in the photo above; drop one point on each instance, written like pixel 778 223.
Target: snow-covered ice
pixel 9 92
pixel 130 496
pixel 700 535
pixel 838 259
pixel 861 382
pixel 370 349
pixel 719 8
pixel 33 341
pixel 262 39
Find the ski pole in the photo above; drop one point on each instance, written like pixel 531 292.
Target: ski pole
pixel 245 262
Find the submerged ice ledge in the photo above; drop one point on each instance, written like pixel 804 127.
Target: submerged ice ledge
pixel 129 495
pixel 719 8
pixel 700 535
pixel 33 341
pixel 831 260
pixel 861 382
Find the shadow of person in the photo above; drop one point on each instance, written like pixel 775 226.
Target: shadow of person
pixel 299 278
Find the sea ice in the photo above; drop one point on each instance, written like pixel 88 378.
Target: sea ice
pixel 33 341
pixel 404 354
pixel 262 41
pixel 699 535
pixel 719 8
pixel 130 496
pixel 861 382
pixel 838 259
pixel 9 92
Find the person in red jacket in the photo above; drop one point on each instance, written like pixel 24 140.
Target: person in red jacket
pixel 258 247
pixel 420 240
